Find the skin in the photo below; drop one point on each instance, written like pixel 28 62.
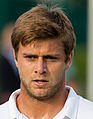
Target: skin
pixel 42 69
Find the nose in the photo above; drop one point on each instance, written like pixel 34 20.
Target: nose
pixel 40 66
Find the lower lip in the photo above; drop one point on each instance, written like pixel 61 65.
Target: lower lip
pixel 40 84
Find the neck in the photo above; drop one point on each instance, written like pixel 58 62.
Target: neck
pixel 45 109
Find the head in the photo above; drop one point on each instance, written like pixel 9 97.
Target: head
pixel 43 40
pixel 41 23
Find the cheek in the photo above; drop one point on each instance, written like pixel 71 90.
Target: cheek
pixel 25 65
pixel 57 69
pixel 25 70
pixel 22 71
pixel 25 75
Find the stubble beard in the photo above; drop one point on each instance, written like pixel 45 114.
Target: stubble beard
pixel 52 90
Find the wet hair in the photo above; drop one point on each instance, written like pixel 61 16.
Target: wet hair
pixel 42 23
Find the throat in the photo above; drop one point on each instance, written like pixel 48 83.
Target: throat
pixel 35 109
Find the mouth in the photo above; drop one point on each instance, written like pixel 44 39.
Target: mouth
pixel 40 82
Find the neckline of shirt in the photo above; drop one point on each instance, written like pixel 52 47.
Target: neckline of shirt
pixel 69 111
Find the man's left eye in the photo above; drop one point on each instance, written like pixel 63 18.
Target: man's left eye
pixel 50 58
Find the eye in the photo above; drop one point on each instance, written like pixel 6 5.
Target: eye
pixel 31 57
pixel 50 58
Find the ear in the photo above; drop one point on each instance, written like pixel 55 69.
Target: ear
pixel 15 58
pixel 68 64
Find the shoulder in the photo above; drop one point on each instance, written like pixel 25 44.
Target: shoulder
pixel 85 104
pixel 85 109
pixel 4 108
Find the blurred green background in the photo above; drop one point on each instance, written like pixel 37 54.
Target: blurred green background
pixel 76 10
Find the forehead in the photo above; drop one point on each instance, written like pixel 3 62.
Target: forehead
pixel 43 47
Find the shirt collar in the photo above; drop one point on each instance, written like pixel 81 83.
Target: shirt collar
pixel 69 110
pixel 71 105
pixel 14 113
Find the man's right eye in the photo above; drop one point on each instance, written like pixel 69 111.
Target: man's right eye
pixel 31 57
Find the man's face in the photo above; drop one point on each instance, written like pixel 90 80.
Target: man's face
pixel 41 68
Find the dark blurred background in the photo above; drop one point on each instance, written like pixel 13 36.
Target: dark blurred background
pixel 76 10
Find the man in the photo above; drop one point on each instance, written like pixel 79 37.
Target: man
pixel 43 40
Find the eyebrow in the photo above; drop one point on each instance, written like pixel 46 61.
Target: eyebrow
pixel 48 55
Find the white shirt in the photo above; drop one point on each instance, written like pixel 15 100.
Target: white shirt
pixel 75 107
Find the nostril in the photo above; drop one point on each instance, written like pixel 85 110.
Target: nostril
pixel 44 71
pixel 40 72
pixel 35 71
